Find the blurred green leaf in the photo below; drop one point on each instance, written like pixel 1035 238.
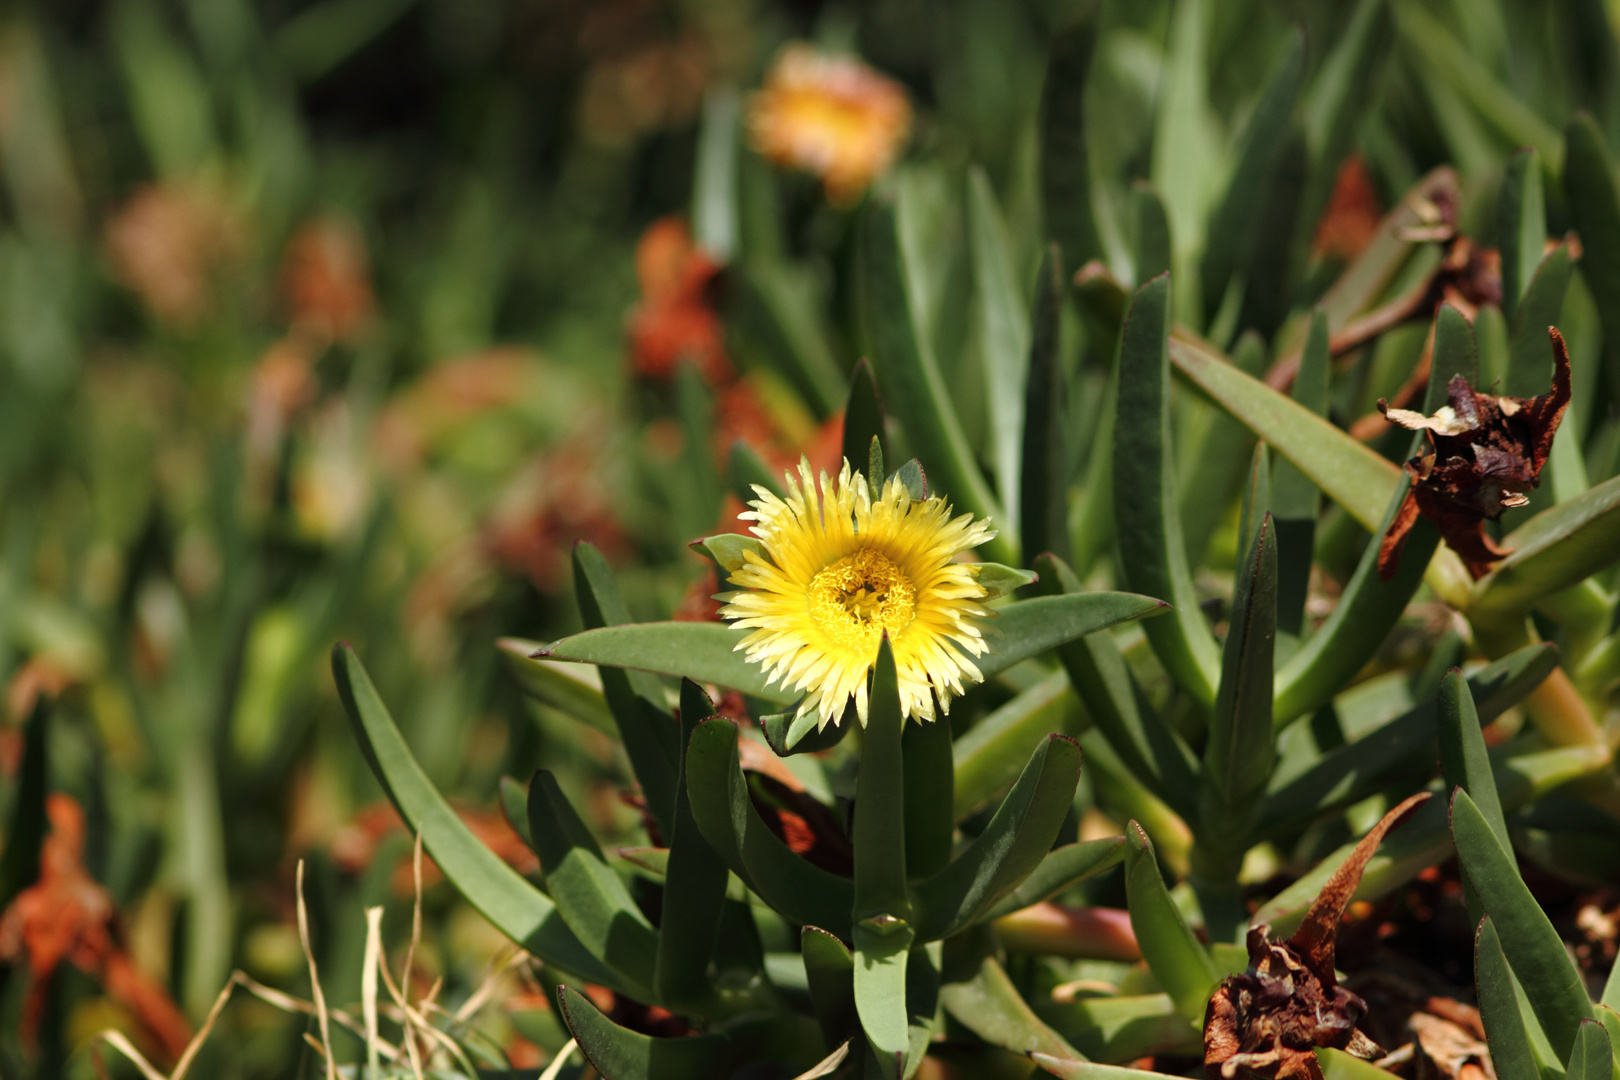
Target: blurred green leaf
pixel 1529 941
pixel 25 831
pixel 1338 1065
pixel 1072 1069
pixel 789 302
pixel 1187 158
pixel 166 92
pixel 1003 337
pixel 623 1054
pixel 1144 496
pixel 1179 963
pixel 929 789
pixel 715 221
pixel 512 905
pixel 1295 499
pixel 992 1008
pixel 1521 228
pixel 829 968
pixel 1065 162
pixel 1240 753
pixel 1594 203
pixel 1219 460
pixel 323 35
pixel 1530 358
pixel 991 753
pixel 1043 524
pixel 561 686
pixel 1061 869
pixel 1558 548
pixel 1153 240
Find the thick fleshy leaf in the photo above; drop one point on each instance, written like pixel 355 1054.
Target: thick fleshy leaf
pixel 1521 226
pixel 1593 1057
pixel 714 183
pixel 1031 627
pixel 726 550
pixel 878 831
pixel 1338 1065
pixel 829 968
pixel 1065 164
pixel 1043 523
pixel 1123 1028
pixel 25 832
pixel 718 793
pixel 1144 496
pixel 789 734
pixel 1061 868
pixel 1179 963
pixel 1530 362
pixel 999 580
pixel 1533 948
pixel 929 788
pixel 1594 203
pixel 1340 92
pixel 1241 750
pixel 1233 227
pixel 591 896
pixel 568 688
pixel 881 952
pixel 695 881
pixel 618 1053
pixel 1152 749
pixel 1455 353
pixel 1558 548
pixel 1505 1027
pixel 1071 1069
pixel 991 754
pixel 1295 500
pixel 1349 773
pixel 992 1008
pixel 788 303
pixel 1153 240
pixel 903 361
pixel 1003 336
pixel 863 420
pixel 1010 847
pixel 650 736
pixel 511 904
pixel 1464 762
pixel 1219 462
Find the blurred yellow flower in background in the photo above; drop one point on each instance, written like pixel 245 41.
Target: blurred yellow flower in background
pixel 830 115
pixel 842 569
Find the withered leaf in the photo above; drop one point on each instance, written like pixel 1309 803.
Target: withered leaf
pixel 1270 1020
pixel 1483 455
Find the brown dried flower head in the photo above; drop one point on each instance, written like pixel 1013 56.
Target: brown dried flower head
pixel 1270 1020
pixel 830 115
pixel 1484 454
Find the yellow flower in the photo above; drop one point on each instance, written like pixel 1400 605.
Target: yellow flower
pixel 834 570
pixel 830 115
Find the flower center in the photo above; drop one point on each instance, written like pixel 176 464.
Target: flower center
pixel 861 595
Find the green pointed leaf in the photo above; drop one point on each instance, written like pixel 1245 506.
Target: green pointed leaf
pixel 591 896
pixel 1153 751
pixel 1295 499
pixel 1220 462
pixel 1010 847
pixel 1062 868
pixel 1154 243
pixel 999 580
pixel 1455 353
pixel 1338 1065
pixel 1179 963
pixel 1521 229
pixel 1532 946
pixel 1530 363
pixel 1339 93
pixel 789 734
pixel 515 808
pixel 1065 164
pixel 881 953
pixel 992 752
pixel 1233 227
pixel 1593 1057
pixel 863 423
pixel 903 361
pixel 1003 337
pixel 1122 1028
pixel 1071 1069
pixel 714 183
pixel 829 968
pixel 567 688
pixel 1044 485
pixel 878 831
pixel 1499 1009
pixel 618 1053
pixel 649 734
pixel 1186 153
pixel 1144 496
pixel 726 550
pixel 1239 756
pixel 992 1008
pixel 695 882
pixel 1464 762
pixel 718 794
pixel 1611 1024
pixel 1594 203
pixel 1031 627
pixel 1558 548
pixel 744 470
pixel 913 479
pixel 929 789
pixel 516 908
pixel 787 303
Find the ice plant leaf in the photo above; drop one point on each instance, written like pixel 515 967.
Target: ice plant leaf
pixel 1003 337
pixel 718 794
pixel 1062 868
pixel 1154 560
pixel 829 968
pixel 1559 547
pixel 841 571
pixel 1044 484
pixel 1521 228
pixel 1241 751
pixel 994 750
pixel 903 361
pixel 649 734
pixel 1071 1069
pixel 1295 500
pixel 881 953
pixel 705 652
pixel 1179 963
pixel 863 418
pixel 694 884
pixel 1529 368
pixel 879 827
pixel 511 904
pixel 789 734
pixel 1065 164
pixel 1529 941
pixel 564 687
pixel 1219 462
pixel 1464 762
pixel 992 1008
pixel 591 896
pixel 1511 1053
pixel 1592 1058
pixel 623 1054
pixel 929 791
pixel 1010 847
pixel 1594 203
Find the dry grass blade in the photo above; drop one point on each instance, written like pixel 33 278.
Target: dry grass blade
pixel 560 1059
pixel 117 1040
pixel 368 986
pixel 827 1064
pixel 314 978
